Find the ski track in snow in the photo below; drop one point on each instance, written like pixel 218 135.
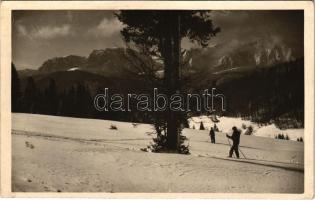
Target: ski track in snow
pixel 84 155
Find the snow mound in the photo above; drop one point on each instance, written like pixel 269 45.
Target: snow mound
pixel 271 131
pixel 73 69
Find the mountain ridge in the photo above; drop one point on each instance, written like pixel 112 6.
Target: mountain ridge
pixel 117 61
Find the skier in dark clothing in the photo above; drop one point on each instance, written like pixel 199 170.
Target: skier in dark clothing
pixel 236 141
pixel 212 135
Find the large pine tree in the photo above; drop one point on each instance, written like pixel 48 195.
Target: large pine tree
pixel 160 33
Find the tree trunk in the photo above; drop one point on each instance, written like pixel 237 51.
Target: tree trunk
pixel 172 77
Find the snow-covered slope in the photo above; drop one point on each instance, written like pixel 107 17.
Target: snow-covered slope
pixel 225 125
pixel 73 69
pixel 84 155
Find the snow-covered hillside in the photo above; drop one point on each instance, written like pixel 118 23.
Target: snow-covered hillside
pixel 84 155
pixel 73 69
pixel 226 123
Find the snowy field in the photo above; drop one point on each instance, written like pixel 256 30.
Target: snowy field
pixel 63 154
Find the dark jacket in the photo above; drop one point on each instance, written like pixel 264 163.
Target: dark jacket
pixel 211 133
pixel 235 137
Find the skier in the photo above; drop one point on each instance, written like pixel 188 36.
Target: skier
pixel 236 141
pixel 212 135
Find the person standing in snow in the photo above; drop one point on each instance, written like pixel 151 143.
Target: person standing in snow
pixel 236 141
pixel 212 135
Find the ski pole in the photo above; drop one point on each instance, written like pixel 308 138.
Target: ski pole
pixel 229 142
pixel 242 152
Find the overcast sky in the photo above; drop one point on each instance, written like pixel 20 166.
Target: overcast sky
pixel 40 35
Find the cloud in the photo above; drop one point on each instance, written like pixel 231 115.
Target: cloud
pixel 48 32
pixel 106 28
pixel 21 30
pixel 44 32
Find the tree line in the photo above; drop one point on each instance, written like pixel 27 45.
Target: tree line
pixel 274 94
pixel 269 95
pixel 74 102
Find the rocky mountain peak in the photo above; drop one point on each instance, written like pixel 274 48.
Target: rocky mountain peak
pixel 63 63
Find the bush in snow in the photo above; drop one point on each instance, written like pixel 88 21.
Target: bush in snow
pixel 183 149
pixel 113 127
pixel 201 126
pixel 282 137
pixel 279 136
pixel 29 145
pixel 300 139
pixel 159 143
pixel 249 130
pixel 185 123
pixel 244 126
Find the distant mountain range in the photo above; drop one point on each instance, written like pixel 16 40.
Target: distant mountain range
pixel 117 62
pixel 253 54
pixel 205 66
pixel 258 56
pixel 111 62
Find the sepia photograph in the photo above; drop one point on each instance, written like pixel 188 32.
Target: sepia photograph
pixel 158 101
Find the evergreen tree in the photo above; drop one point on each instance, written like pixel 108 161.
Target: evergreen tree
pixel 83 101
pixel 68 102
pixel 160 33
pixel 201 126
pixel 51 98
pixel 30 97
pixel 61 109
pixel 15 90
